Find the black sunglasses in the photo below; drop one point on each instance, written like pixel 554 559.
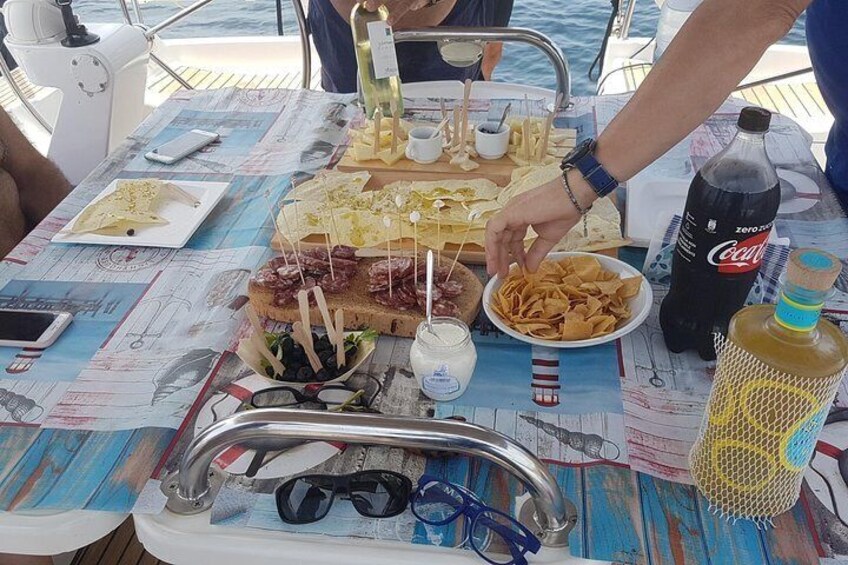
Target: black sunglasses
pixel 329 395
pixel 375 494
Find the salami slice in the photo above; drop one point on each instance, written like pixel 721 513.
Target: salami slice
pixel 421 294
pixel 315 253
pixel 334 286
pixel 290 272
pixel 445 308
pixel 451 289
pixel 276 263
pixel 401 267
pixel 283 297
pixel 313 265
pixel 343 252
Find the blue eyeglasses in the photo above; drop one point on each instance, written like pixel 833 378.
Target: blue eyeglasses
pixel 495 536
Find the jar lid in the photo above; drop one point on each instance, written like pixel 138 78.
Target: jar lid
pixel 447 333
pixel 813 269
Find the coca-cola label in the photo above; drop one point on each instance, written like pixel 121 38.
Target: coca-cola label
pixel 735 256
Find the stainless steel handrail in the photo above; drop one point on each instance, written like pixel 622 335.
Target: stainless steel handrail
pixel 171 20
pixel 190 492
pixel 16 88
pixel 303 31
pixel 627 19
pixel 505 34
pixel 137 9
pixel 162 64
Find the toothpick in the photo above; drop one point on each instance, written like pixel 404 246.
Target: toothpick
pixel 378 123
pixel 456 112
pixel 438 205
pixel 445 117
pixel 332 212
pixel 471 217
pixel 525 142
pixel 329 251
pixel 304 338
pixel 296 254
pixel 297 226
pixel 387 221
pixel 258 339
pixel 321 301
pixel 543 150
pixel 276 225
pixel 303 306
pixel 400 202
pixel 340 339
pixel 414 218
pixel 465 99
pixel 395 123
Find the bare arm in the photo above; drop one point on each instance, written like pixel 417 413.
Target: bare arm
pixel 41 185
pixel 719 45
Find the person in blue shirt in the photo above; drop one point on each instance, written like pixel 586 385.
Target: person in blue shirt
pixel 713 52
pixel 331 33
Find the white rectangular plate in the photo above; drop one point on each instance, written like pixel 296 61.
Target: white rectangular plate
pixel 183 220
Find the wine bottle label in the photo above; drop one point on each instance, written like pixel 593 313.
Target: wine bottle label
pixel 796 316
pixel 382 49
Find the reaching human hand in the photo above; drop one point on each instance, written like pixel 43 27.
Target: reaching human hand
pixel 551 214
pixel 397 8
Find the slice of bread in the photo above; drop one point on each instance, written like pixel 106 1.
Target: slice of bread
pixel 362 311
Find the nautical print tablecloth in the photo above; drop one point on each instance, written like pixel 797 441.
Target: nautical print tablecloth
pixel 149 358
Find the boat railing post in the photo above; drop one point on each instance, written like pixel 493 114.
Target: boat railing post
pixel 192 489
pixel 303 31
pixel 505 34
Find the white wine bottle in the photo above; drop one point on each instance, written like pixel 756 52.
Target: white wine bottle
pixel 379 78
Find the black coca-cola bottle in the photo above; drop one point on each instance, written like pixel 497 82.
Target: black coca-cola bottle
pixel 730 211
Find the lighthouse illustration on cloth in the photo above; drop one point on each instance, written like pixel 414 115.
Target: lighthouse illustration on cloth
pixel 545 383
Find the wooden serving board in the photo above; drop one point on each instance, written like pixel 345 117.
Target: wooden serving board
pixel 499 171
pixel 361 311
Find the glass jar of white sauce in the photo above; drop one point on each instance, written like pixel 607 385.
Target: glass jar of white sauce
pixel 444 360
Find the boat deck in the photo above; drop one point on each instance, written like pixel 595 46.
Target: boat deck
pixel 202 79
pixel 121 547
pixel 799 99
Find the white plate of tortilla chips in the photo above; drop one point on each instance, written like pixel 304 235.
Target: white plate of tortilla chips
pixel 573 300
pixel 144 213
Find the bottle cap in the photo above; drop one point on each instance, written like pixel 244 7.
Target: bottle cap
pixel 813 269
pixel 754 119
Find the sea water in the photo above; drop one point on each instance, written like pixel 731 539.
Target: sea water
pixel 576 26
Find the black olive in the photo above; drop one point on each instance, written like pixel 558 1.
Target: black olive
pixel 322 376
pixel 297 352
pixel 290 374
pixel 330 362
pixel 315 338
pixel 269 370
pixel 305 374
pixel 288 346
pixel 322 346
pixel 351 353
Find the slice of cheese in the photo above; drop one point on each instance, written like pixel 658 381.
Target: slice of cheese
pixel 390 158
pixel 362 152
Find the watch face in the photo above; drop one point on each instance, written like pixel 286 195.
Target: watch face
pixel 575 154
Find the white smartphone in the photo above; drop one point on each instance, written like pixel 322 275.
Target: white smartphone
pixel 28 328
pixel 184 145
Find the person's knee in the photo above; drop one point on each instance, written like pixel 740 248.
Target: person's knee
pixel 12 221
pixel 10 559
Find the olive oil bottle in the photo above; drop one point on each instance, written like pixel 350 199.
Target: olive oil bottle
pixel 379 78
pixel 776 378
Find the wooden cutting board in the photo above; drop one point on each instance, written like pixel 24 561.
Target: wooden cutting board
pixel 361 311
pixel 499 171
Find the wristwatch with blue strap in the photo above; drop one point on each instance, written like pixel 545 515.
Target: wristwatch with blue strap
pixel 583 159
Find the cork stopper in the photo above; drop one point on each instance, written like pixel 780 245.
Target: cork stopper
pixel 813 269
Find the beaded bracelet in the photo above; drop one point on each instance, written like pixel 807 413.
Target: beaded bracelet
pixel 580 209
